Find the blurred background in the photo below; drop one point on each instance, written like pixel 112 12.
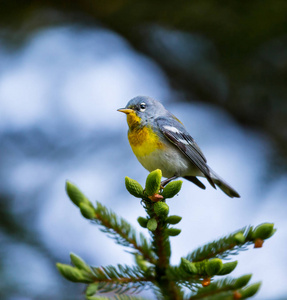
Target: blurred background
pixel 66 66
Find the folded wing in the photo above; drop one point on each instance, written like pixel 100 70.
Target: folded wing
pixel 176 134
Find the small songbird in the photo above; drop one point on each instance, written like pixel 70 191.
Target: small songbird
pixel 160 141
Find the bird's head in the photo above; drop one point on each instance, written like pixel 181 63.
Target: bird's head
pixel 140 110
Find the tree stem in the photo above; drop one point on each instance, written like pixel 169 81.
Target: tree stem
pixel 161 245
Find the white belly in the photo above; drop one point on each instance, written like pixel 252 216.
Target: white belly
pixel 170 162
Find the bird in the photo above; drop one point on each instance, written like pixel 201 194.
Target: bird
pixel 159 140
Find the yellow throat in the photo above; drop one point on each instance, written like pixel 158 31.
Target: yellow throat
pixel 142 139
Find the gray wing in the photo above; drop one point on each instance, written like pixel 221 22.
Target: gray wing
pixel 177 134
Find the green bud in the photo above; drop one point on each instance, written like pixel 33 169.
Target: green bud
pixel 188 266
pixel 141 262
pixel 92 289
pixel 263 231
pixel 242 281
pixel 250 290
pixel 173 231
pixel 133 187
pixel 173 220
pixel 213 266
pixel 161 209
pixel 71 273
pixel 172 189
pixel 239 238
pixel 76 195
pixel 228 268
pixel 79 263
pixel 201 267
pixel 152 224
pixel 142 221
pixel 153 180
pixel 87 211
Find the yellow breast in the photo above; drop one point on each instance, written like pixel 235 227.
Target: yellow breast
pixel 144 141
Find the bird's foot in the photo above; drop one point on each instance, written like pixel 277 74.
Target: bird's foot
pixel 166 181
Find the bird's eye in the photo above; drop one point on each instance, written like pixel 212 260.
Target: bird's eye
pixel 142 106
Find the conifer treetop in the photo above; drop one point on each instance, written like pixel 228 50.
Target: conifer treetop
pixel 199 272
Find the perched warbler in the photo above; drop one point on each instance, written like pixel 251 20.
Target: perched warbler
pixel 160 141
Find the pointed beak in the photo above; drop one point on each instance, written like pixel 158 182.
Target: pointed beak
pixel 126 110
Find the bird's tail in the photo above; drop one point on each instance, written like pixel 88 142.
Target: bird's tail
pixel 225 187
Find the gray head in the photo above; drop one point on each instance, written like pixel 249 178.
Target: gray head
pixel 144 107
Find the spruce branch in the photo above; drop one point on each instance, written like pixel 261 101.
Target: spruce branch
pixel 221 248
pixel 227 288
pixel 120 279
pixel 178 275
pixel 220 288
pixel 117 297
pixel 117 228
pixel 233 243
pixel 196 272
pixel 122 232
pixel 158 212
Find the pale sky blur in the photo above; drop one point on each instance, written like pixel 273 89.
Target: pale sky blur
pixel 67 84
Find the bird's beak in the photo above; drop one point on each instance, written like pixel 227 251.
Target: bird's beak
pixel 126 110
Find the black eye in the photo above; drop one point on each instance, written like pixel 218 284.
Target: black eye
pixel 142 106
